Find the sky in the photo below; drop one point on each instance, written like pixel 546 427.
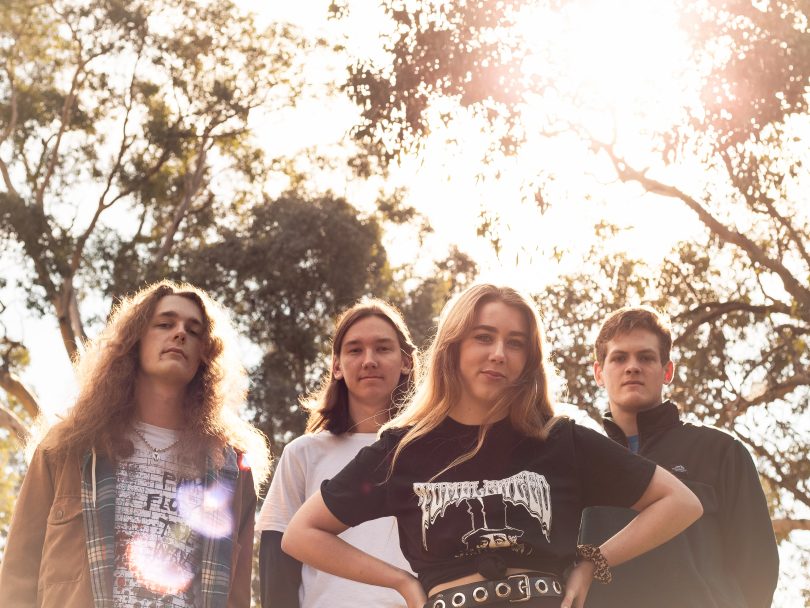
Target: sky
pixel 446 183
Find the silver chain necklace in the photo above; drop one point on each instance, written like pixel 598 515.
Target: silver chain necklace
pixel 155 452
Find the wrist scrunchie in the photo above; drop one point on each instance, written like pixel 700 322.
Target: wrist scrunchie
pixel 601 570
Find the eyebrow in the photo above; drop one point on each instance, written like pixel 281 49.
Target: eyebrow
pixel 494 330
pixel 624 352
pixel 173 315
pixel 377 340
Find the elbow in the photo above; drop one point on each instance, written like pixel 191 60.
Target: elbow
pixel 288 542
pixel 692 508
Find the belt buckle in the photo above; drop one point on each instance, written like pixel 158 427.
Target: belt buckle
pixel 522 579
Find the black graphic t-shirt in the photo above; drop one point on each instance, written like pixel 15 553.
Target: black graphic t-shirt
pixel 519 499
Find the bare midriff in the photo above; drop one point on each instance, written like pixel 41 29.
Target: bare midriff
pixel 471 578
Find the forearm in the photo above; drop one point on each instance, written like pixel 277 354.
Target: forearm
pixel 670 509
pixel 330 553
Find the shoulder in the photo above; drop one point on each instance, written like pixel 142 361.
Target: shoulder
pixel 309 442
pixel 393 435
pixel 708 433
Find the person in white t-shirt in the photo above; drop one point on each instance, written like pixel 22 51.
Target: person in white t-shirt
pixel 373 359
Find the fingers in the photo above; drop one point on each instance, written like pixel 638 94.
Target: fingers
pixel 568 599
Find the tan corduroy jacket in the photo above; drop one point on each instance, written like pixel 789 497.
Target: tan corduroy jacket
pixel 46 561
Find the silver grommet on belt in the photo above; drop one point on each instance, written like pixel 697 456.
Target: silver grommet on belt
pixel 503 589
pixel 541 585
pixel 439 604
pixel 458 600
pixel 557 586
pixel 480 594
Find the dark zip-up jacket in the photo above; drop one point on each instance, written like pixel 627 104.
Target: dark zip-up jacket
pixel 726 559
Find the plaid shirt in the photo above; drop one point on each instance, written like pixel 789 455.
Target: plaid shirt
pixel 98 507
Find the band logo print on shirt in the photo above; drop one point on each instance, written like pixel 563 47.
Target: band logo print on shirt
pixel 526 489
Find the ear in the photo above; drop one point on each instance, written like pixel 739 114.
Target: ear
pixel 407 365
pixel 597 374
pixel 337 373
pixel 669 372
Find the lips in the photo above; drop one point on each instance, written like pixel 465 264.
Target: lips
pixel 492 374
pixel 633 383
pixel 175 350
pixel 371 377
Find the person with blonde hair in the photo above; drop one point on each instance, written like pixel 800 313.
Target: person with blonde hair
pixel 144 493
pixel 371 369
pixel 486 483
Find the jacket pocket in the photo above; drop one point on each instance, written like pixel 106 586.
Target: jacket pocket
pixel 64 553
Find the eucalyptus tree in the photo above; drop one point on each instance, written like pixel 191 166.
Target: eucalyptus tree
pixel 124 130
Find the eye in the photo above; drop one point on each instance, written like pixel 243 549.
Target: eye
pixel 384 349
pixel 483 338
pixel 516 343
pixel 193 332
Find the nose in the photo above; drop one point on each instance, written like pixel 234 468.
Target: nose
pixel 180 334
pixel 369 359
pixel 632 365
pixel 497 353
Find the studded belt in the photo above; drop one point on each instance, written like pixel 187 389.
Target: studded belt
pixel 515 588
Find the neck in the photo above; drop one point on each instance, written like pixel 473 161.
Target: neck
pixel 625 421
pixel 159 404
pixel 628 421
pixel 367 417
pixel 471 412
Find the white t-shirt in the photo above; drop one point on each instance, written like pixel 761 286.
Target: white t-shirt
pixel 305 463
pixel 158 554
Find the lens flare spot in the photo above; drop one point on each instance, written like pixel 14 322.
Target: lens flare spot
pixel 155 568
pixel 207 512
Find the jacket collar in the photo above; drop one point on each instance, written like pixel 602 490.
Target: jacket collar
pixel 650 422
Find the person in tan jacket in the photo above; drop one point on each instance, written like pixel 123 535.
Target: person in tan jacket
pixel 142 495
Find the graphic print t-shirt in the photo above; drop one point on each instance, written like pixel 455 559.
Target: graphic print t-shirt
pixel 157 555
pixel 519 499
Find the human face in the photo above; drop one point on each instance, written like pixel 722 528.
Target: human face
pixel 171 348
pixel 492 355
pixel 370 362
pixel 633 374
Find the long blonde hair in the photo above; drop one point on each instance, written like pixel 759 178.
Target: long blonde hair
pixel 329 405
pixel 105 407
pixel 528 399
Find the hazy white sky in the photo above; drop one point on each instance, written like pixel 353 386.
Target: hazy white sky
pixel 445 184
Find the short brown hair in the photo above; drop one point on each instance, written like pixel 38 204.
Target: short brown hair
pixel 628 318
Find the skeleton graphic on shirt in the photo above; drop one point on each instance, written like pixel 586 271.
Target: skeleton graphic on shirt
pixel 486 502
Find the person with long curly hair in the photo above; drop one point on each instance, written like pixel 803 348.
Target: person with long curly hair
pixel 487 484
pixel 144 494
pixel 371 369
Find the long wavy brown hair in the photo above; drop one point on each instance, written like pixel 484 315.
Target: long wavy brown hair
pixel 528 400
pixel 103 413
pixel 329 405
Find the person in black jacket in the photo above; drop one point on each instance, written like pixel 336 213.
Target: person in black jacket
pixel 728 558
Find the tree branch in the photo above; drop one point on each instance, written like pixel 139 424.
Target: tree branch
pixel 192 183
pixel 14 387
pixel 784 526
pixel 715 310
pixel 757 255
pixel 734 408
pixel 10 421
